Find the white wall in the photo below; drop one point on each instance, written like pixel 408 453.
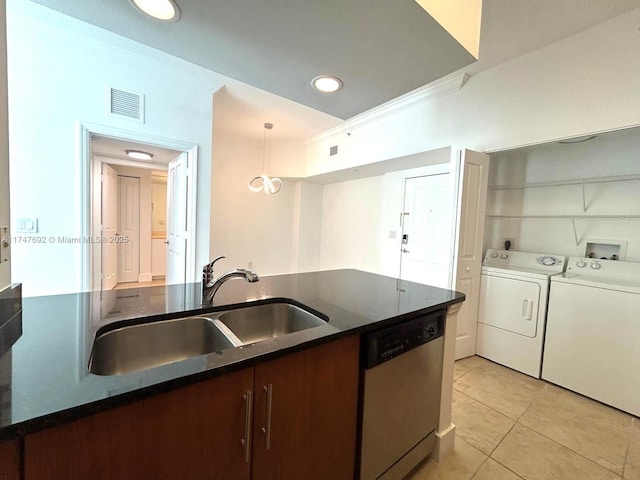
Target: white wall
pixel 584 83
pixel 351 224
pixel 607 155
pixel 307 227
pixel 59 70
pixel 5 267
pixel 247 226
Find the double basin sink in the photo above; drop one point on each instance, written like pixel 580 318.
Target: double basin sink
pixel 147 345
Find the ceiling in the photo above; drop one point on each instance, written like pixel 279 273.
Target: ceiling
pixel 380 49
pixel 115 148
pixel 244 47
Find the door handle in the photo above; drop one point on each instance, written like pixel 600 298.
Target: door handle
pixel 404 250
pixel 527 309
pixel 246 441
pixel 266 430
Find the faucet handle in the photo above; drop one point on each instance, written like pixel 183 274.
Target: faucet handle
pixel 207 272
pixel 208 268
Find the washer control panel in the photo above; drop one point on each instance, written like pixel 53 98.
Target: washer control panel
pixel 612 269
pixel 596 265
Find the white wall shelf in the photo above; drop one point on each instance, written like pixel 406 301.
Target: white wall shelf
pixel 577 181
pixel 573 219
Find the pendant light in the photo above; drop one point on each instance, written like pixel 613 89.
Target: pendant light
pixel 263 183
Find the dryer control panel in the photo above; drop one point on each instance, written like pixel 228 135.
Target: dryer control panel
pixel 524 260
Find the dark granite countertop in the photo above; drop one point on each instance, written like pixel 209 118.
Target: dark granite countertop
pixel 44 379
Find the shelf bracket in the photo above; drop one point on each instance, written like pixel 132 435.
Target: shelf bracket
pixel 575 231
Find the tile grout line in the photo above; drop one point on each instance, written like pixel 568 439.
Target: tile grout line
pixel 626 456
pixel 571 450
pixel 479 468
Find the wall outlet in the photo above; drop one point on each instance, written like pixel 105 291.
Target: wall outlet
pixel 393 234
pixel 250 265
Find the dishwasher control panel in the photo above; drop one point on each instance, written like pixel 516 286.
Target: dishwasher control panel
pixel 383 345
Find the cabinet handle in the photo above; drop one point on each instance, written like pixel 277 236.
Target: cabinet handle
pixel 246 441
pixel 266 430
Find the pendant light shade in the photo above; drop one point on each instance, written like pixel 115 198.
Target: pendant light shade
pixel 263 183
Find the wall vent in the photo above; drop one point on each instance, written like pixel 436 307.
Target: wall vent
pixel 333 150
pixel 126 104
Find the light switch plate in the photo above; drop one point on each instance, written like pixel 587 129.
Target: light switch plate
pixel 27 225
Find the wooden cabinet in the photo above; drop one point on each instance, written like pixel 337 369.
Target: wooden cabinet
pixel 191 433
pixel 307 429
pixel 305 414
pixel 10 460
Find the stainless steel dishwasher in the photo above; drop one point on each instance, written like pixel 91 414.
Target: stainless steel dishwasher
pixel 402 367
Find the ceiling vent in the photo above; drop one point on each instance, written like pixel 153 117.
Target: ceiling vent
pixel 124 104
pixel 333 150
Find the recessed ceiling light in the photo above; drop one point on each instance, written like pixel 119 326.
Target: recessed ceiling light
pixel 139 155
pixel 165 10
pixel 327 83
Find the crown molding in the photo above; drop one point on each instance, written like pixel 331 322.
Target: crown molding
pixel 410 100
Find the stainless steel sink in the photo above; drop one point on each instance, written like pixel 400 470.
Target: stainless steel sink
pixel 263 322
pixel 147 345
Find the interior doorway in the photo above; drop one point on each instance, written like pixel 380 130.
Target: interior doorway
pixel 132 214
pixel 426 251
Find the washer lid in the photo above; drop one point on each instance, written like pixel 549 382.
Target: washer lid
pixel 597 281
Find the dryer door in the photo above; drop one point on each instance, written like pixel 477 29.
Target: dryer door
pixel 509 304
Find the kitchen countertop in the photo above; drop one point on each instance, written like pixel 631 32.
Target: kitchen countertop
pixel 44 380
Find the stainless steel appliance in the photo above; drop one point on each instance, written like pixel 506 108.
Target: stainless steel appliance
pixel 401 402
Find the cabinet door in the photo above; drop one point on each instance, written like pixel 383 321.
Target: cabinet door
pixel 308 429
pixel 10 460
pixel 193 432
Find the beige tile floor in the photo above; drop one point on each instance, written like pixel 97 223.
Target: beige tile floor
pixel 510 426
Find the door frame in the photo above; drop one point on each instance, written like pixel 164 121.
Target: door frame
pixel 90 258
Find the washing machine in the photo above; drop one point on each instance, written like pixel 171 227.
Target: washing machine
pixel 514 289
pixel 592 344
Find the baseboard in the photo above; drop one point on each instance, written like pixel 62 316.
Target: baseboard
pixel 145 277
pixel 445 442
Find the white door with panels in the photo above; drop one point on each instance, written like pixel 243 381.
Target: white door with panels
pixel 473 169
pixel 426 230
pixel 129 227
pixel 109 219
pixel 177 181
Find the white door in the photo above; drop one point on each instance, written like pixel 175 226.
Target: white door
pixel 426 230
pixel 129 227
pixel 109 213
pixel 177 220
pixel 473 171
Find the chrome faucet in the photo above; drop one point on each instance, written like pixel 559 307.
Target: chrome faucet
pixel 211 286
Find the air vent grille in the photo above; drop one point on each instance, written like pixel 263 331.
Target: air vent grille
pixel 333 150
pixel 126 104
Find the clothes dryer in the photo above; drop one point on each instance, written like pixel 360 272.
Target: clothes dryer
pixel 514 290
